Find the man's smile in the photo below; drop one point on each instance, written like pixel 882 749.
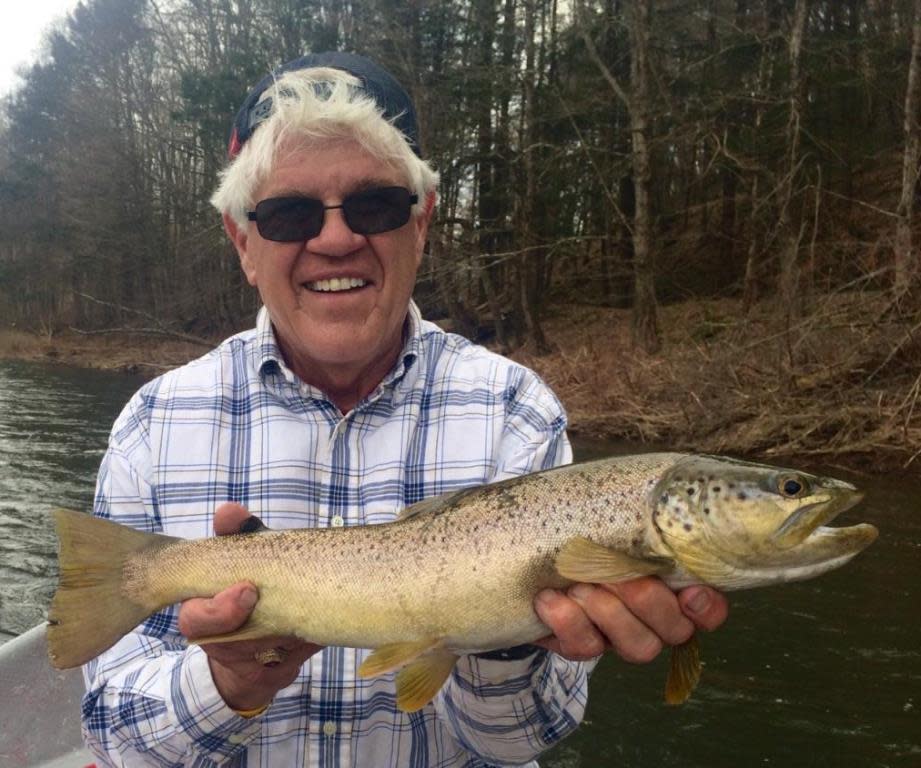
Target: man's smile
pixel 336 284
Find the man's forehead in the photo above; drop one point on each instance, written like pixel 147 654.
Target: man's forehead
pixel 340 167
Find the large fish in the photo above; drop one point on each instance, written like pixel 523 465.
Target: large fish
pixel 458 573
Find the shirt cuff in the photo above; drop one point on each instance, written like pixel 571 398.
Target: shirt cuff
pixel 212 726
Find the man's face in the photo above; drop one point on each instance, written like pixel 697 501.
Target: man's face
pixel 327 330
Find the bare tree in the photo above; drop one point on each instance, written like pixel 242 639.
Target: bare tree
pixel 645 328
pixel 906 257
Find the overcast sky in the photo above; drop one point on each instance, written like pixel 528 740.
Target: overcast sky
pixel 21 34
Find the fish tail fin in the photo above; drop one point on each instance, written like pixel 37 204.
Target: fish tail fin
pixel 90 610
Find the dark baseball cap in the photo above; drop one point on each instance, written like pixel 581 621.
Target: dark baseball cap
pixel 379 84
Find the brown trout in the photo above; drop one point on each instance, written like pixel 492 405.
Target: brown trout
pixel 458 573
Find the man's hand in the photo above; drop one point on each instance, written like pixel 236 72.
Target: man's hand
pixel 243 682
pixel 635 619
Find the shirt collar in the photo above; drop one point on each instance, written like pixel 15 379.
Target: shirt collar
pixel 269 359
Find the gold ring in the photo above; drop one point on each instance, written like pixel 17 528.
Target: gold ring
pixel 271 657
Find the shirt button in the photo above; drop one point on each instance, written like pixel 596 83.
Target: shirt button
pixel 337 522
pixel 329 727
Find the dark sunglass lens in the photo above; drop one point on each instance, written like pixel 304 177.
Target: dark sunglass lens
pixel 378 210
pixel 289 219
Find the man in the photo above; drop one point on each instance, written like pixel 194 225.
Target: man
pixel 340 408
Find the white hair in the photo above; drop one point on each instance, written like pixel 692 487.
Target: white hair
pixel 310 108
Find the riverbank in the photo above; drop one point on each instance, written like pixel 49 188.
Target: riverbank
pixel 841 387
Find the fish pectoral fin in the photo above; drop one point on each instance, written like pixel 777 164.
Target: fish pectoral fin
pixel 252 630
pixel 418 682
pixel 683 671
pixel 583 560
pixel 392 656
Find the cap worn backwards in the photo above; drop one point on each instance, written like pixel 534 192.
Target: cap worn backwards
pixel 375 81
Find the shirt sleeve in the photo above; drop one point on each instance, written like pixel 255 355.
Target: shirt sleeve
pixel 150 699
pixel 509 711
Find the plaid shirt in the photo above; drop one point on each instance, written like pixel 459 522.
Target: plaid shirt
pixel 238 425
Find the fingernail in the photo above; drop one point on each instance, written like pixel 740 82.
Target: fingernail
pixel 545 596
pixel 699 601
pixel 247 598
pixel 581 592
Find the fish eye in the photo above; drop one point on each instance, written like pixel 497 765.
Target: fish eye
pixel 792 486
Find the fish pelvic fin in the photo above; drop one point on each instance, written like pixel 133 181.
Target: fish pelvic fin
pixel 253 629
pixel 418 682
pixel 583 560
pixel 393 656
pixel 683 672
pixel 90 610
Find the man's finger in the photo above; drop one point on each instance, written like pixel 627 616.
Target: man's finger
pixel 225 612
pixel 656 606
pixel 706 607
pixel 228 518
pixel 631 638
pixel 576 637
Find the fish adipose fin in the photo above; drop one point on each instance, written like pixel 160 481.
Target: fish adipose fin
pixel 583 560
pixel 683 671
pixel 90 611
pixel 392 656
pixel 418 682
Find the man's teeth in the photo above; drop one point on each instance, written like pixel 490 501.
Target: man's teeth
pixel 336 284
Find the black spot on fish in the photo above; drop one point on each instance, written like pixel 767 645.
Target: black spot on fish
pixel 706 510
pixel 742 496
pixel 716 489
pixel 687 526
pixel 690 491
pixel 664 498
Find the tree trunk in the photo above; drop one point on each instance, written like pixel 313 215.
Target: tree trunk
pixel 906 258
pixel 789 282
pixel 645 326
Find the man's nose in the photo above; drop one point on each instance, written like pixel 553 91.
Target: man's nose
pixel 335 237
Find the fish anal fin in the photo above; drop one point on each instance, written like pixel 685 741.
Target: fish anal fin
pixel 683 672
pixel 418 682
pixel 583 560
pixel 391 656
pixel 251 630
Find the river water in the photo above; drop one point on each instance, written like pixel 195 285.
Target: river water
pixel 822 673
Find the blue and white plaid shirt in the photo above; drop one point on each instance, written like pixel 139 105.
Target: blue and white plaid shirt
pixel 237 425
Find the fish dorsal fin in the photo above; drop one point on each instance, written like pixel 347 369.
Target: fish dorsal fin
pixel 683 671
pixel 583 560
pixel 254 524
pixel 436 504
pixel 392 656
pixel 418 682
pixel 251 630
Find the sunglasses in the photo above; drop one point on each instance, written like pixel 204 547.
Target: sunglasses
pixel 369 212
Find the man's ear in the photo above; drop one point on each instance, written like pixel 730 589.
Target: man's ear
pixel 422 223
pixel 240 239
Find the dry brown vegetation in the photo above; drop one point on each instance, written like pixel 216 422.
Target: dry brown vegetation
pixel 844 384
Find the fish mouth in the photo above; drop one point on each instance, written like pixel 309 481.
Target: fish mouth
pixel 830 503
pixel 813 547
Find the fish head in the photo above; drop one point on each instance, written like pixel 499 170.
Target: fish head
pixel 736 524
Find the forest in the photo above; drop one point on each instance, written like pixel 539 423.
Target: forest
pixel 695 218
